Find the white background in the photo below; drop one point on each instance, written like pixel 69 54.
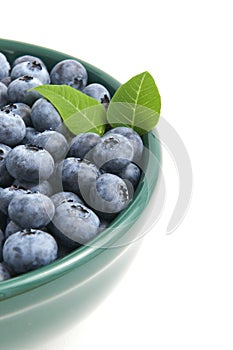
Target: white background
pixel 178 293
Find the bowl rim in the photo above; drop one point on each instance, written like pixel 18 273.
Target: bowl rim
pixel 33 279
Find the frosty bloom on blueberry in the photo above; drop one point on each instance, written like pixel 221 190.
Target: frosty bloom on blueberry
pixel 19 90
pixel 74 224
pixel 30 163
pixel 12 128
pixel 69 72
pixel 113 152
pixel 44 116
pixel 27 250
pixel 21 109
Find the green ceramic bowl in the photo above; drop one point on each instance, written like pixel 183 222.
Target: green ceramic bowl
pixel 45 302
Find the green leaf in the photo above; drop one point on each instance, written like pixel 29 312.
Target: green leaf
pixel 79 112
pixel 136 104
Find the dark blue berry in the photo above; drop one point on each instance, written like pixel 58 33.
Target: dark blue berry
pixel 19 90
pixel 74 224
pixel 109 195
pixel 11 228
pixel 12 128
pixel 27 58
pixel 29 163
pixel 43 187
pixel 130 173
pixel 82 144
pixel 99 92
pixel 30 136
pixel 7 194
pixel 32 210
pixel 33 69
pixel 133 138
pixel 112 153
pixel 28 250
pixel 77 175
pixel 61 197
pixel 54 142
pixel 69 72
pixel 44 116
pixel 23 110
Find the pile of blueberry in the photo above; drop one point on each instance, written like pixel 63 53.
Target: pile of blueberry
pixel 57 190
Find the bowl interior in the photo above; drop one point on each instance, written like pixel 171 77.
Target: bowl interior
pixel 118 228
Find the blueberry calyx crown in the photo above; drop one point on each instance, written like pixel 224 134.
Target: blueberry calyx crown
pixel 18 188
pixel 105 99
pixel 9 108
pixel 27 231
pixel 110 142
pixel 35 65
pixel 8 111
pixel 81 209
pixel 26 78
pixel 32 147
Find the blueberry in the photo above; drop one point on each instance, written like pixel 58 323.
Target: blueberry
pixel 33 69
pixel 6 80
pixel 99 92
pixel 4 66
pixel 69 72
pixel 43 187
pixel 23 110
pixel 44 116
pixel 133 138
pixel 54 142
pixel 18 90
pixel 30 136
pixel 29 163
pixel 112 153
pixel 74 224
pixel 5 178
pixel 12 128
pixel 3 94
pixel 61 197
pixel 109 195
pixel 28 250
pixel 4 272
pixel 77 175
pixel 7 194
pixel 27 58
pixel 82 144
pixel 32 210
pixel 11 228
pixel 131 172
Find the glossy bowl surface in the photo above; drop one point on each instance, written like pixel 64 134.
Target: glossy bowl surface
pixel 41 303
